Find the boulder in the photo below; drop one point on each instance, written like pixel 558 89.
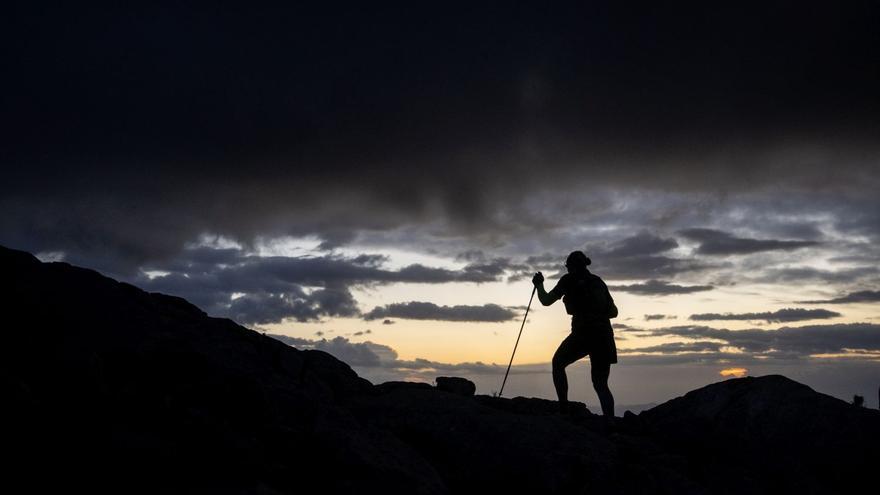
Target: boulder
pixel 456 385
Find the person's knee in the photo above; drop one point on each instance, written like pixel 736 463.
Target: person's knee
pixel 559 363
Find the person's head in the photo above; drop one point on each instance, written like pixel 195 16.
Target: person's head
pixel 577 261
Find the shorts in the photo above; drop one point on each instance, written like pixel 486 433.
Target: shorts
pixel 590 338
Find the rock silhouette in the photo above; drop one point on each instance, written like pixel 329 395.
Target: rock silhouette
pixel 456 385
pixel 112 389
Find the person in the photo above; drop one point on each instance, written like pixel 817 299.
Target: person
pixel 590 305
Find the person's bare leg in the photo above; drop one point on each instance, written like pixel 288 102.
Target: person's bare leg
pixel 599 373
pixel 568 352
pixel 560 379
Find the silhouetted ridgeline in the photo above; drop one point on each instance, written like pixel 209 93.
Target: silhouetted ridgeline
pixel 109 388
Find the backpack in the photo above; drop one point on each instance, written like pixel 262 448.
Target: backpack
pixel 589 296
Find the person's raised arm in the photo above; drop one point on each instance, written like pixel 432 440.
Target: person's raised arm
pixel 546 298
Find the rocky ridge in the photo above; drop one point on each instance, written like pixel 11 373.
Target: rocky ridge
pixel 110 388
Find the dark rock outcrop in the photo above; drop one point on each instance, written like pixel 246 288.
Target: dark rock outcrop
pixel 112 389
pixel 456 385
pixel 786 436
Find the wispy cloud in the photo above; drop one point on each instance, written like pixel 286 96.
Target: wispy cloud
pixel 640 256
pixel 417 310
pixel 793 275
pixel 862 296
pixel 785 342
pixel 716 242
pixel 780 316
pixel 660 288
pixel 659 317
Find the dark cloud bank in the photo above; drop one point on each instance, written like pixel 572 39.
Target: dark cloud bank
pixel 444 130
pixel 259 290
pixel 138 131
pixel 715 242
pixel 639 256
pixel 264 289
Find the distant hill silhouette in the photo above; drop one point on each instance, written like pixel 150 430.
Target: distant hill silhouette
pixel 108 388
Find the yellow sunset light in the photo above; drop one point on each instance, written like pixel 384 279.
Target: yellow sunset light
pixel 734 372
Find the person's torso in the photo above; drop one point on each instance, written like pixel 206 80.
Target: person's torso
pixel 586 297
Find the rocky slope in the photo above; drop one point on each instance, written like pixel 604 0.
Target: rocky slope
pixel 109 388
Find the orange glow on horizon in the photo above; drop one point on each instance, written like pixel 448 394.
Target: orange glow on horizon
pixel 734 372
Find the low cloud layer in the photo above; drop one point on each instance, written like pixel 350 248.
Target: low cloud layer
pixel 671 369
pixel 372 355
pixel 787 343
pixel 259 290
pixel 660 288
pixel 368 354
pixel 655 317
pixel 862 296
pixel 640 256
pixel 780 316
pixel 262 308
pixel 716 242
pixel 804 274
pixel 644 255
pixel 416 310
pixel 702 345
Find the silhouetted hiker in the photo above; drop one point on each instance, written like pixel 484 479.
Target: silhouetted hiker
pixel 590 305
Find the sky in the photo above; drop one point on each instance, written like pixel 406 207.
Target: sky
pixel 381 181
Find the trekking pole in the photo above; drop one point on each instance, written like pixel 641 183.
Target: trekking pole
pixel 517 340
